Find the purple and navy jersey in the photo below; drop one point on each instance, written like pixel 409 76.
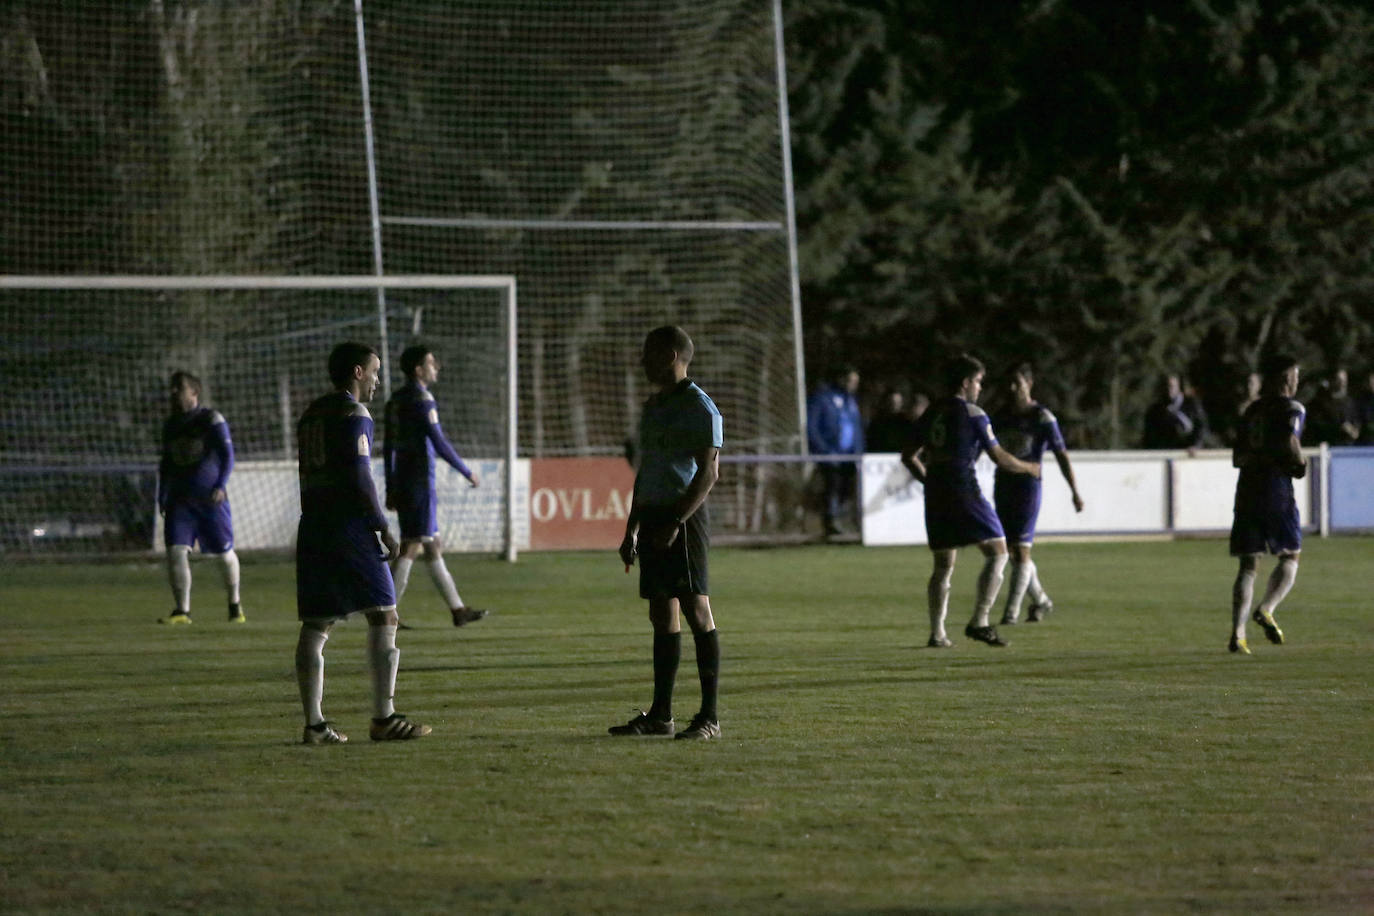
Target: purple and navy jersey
pixel 1262 450
pixel 1026 434
pixel 952 432
pixel 334 446
pixel 197 456
pixel 413 436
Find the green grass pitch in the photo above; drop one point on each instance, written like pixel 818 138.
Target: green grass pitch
pixel 1113 759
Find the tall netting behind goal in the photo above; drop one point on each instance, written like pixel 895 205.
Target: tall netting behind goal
pixel 622 158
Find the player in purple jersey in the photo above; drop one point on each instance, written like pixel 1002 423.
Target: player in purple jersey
pixel 413 437
pixel 949 436
pixel 1269 456
pixel 342 547
pixel 1026 430
pixel 197 458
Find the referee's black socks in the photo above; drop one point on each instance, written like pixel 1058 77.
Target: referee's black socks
pixel 667 654
pixel 708 669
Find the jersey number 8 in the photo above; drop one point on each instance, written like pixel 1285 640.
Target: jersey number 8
pixel 938 435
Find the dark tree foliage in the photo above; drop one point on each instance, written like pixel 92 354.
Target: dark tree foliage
pixel 1109 190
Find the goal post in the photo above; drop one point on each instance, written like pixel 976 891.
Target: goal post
pixel 81 441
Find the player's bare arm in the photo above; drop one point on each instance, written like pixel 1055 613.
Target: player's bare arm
pixel 1296 461
pixel 1062 458
pixel 629 545
pixel 708 472
pixel 1009 462
pixel 389 542
pixel 911 460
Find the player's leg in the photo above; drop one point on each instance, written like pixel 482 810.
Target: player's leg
pixel 1242 593
pixel 659 572
pixel 229 568
pixel 706 723
pixel 443 581
pixel 1280 583
pixel 409 549
pixel 401 566
pixel 665 619
pixel 179 577
pixel 1283 537
pixel 179 533
pixel 1022 569
pixel 937 596
pixel 1040 603
pixel 215 534
pixel 416 518
pixel 989 582
pixel 310 679
pixel 383 662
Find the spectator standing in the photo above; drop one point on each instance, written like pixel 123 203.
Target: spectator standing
pixel 835 427
pixel 1176 420
pixel 1365 406
pixel 1333 416
pixel 891 429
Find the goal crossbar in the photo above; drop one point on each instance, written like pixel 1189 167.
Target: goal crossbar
pixel 250 281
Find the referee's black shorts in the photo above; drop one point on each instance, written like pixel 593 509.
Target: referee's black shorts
pixel 681 570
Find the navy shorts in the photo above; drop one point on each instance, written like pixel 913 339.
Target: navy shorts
pixel 957 517
pixel 340 570
pixel 1018 506
pixel 681 570
pixel 1257 531
pixel 199 521
pixel 418 516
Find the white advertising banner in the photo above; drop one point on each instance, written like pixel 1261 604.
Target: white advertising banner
pixel 1205 491
pixel 264 497
pixel 1122 494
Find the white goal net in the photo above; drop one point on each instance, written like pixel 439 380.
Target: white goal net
pixel 625 159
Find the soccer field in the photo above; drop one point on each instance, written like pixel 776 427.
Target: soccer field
pixel 1113 759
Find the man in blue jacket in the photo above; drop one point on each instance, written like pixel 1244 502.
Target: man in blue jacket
pixel 835 427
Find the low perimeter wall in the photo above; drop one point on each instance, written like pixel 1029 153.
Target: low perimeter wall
pixel 581 503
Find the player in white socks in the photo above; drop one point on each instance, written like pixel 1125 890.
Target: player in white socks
pixel 197 458
pixel 948 438
pixel 413 437
pixel 1026 429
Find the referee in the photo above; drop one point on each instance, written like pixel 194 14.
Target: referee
pixel 680 435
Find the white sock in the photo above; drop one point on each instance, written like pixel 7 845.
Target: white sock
pixel 310 671
pixel 937 600
pixel 400 572
pixel 989 581
pixel 1280 583
pixel 383 659
pixel 1242 592
pixel 179 574
pixel 1021 575
pixel 439 573
pixel 1034 589
pixel 231 574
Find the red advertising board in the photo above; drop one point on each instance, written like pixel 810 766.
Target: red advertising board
pixel 579 503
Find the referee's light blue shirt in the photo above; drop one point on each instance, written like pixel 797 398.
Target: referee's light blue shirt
pixel 672 429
